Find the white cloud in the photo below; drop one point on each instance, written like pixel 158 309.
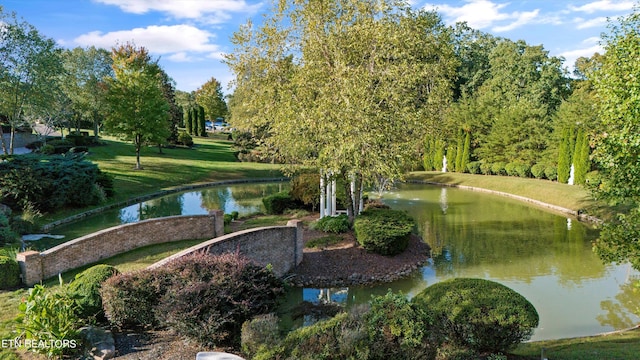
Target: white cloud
pixel 208 10
pixel 157 39
pixel 591 47
pixel 595 22
pixel 480 14
pixel 603 5
pixel 180 57
pixel 523 18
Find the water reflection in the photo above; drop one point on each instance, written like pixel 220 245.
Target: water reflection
pixel 545 257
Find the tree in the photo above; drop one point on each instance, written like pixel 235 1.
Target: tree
pixel 564 155
pixel 189 123
pixel 175 112
pixel 138 109
pixel 29 67
pixel 202 128
pixel 210 96
pixel 617 85
pixel 85 71
pixel 350 87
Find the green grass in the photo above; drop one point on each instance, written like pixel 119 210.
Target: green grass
pixel 324 241
pixel 618 346
pixel 211 159
pixel 563 195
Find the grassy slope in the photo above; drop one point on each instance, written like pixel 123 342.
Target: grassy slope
pixel 563 195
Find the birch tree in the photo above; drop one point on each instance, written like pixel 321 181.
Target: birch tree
pixel 347 86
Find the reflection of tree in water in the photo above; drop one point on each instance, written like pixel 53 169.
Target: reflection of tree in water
pixel 618 313
pixel 164 206
pixel 216 198
pixel 502 239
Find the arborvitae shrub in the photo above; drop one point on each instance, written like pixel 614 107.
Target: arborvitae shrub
pixel 85 289
pixel 551 172
pixel 211 296
pixel 279 202
pixel 9 272
pixel 485 168
pixel 474 167
pixel 185 139
pixel 479 314
pixel 383 231
pixel 510 169
pixel 537 171
pixel 333 224
pixel 522 169
pixel 498 168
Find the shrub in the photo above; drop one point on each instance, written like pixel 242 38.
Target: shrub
pixel 129 299
pixel 185 139
pixel 485 168
pixel 234 215
pixel 260 332
pixel 49 316
pixel 522 169
pixel 375 204
pixel 85 289
pixel 9 272
pixel 551 172
pixel 537 171
pixel 227 218
pixel 383 231
pixel 398 329
pixel 474 167
pixel 277 203
pixel 47 149
pixel 305 188
pixel 7 235
pixel 333 224
pixel 593 179
pixel 498 168
pixel 510 169
pixel 211 296
pixel 478 314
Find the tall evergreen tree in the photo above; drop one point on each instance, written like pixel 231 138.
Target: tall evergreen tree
pixel 189 123
pixel 564 156
pixel 466 152
pixel 581 157
pixel 202 128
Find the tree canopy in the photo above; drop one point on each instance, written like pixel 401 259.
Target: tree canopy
pixel 138 107
pixel 617 86
pixel 347 86
pixel 210 96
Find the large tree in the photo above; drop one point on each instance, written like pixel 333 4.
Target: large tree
pixel 138 109
pixel 347 86
pixel 617 85
pixel 29 69
pixel 84 84
pixel 210 96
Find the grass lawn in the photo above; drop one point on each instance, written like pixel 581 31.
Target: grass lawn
pixel 211 159
pixel 563 195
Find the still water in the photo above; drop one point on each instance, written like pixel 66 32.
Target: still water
pixel 243 198
pixel 544 256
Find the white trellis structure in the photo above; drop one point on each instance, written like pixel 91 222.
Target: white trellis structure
pixel 328 195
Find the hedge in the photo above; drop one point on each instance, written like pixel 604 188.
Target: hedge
pixel 383 231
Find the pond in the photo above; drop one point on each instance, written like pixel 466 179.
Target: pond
pixel 243 198
pixel 544 256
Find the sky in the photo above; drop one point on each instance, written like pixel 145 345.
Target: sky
pixel 189 37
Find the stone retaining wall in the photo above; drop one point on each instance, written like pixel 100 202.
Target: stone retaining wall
pixel 88 249
pixel 280 246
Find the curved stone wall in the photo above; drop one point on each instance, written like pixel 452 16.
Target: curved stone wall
pixel 88 249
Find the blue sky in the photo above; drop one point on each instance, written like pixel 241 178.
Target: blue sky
pixel 190 36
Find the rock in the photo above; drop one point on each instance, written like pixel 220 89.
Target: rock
pixel 101 342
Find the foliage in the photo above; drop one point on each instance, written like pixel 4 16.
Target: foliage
pixel 333 224
pixel 479 314
pixel 210 96
pixel 365 115
pixel 279 202
pixel 537 170
pixel 259 334
pixel 129 299
pixel 7 235
pixel 47 316
pixel 399 329
pixel 29 68
pixel 85 289
pixel 498 168
pixel 324 241
pixel 211 296
pixel 51 182
pixel 551 172
pixel 383 231
pixel 582 164
pixel 473 167
pixel 137 107
pixel 9 272
pixel 185 139
pixel 228 218
pixel 485 168
pixel 305 188
pixel 564 156
pixel 617 147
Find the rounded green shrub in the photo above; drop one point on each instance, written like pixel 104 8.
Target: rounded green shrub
pixel 551 172
pixel 498 168
pixel 85 289
pixel 537 171
pixel 383 231
pixel 333 224
pixel 522 169
pixel 260 332
pixel 485 168
pixel 479 314
pixel 277 203
pixel 185 139
pixel 510 169
pixel 474 167
pixel 9 273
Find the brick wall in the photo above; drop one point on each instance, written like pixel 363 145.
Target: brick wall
pixel 280 246
pixel 116 240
